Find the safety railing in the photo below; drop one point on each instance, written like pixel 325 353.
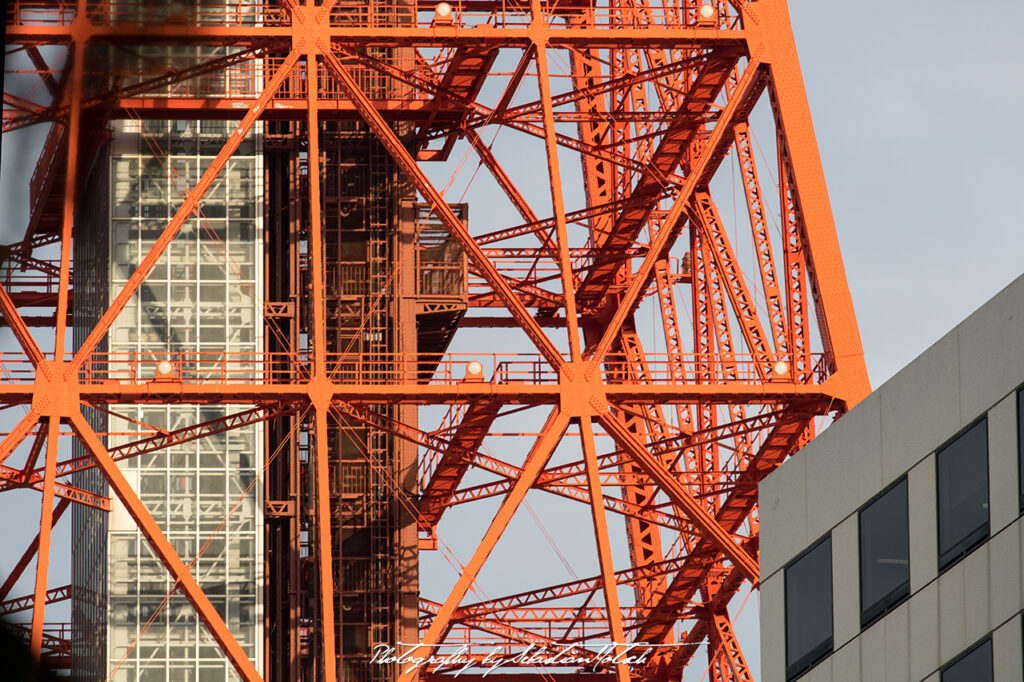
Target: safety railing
pixel 690 368
pixel 372 14
pixel 441 279
pixel 239 368
pixel 195 367
pixel 348 278
pixel 242 368
pixel 18 279
pixel 243 79
pixel 15 368
pixel 202 13
pixel 40 13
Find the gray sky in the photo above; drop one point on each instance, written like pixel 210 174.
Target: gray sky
pixel 917 117
pixel 916 107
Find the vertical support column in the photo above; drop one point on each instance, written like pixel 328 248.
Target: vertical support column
pixel 45 526
pixel 557 201
pixel 833 302
pixel 325 551
pixel 70 184
pixel 604 551
pixel 405 452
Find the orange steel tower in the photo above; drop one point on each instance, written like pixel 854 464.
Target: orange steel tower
pixel 600 329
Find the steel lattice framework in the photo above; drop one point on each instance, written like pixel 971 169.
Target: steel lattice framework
pixel 655 96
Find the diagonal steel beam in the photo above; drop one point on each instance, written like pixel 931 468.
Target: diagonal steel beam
pixel 33 455
pixel 627 576
pixel 45 73
pixel 511 191
pixel 53 595
pixel 758 210
pixel 705 217
pixel 728 647
pixel 18 434
pixel 544 446
pixel 177 437
pixel 17 324
pixel 680 496
pixel 13 478
pixel 513 84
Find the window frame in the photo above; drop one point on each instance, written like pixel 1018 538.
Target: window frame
pixel 987 639
pixel 981 534
pixel 899 594
pixel 826 648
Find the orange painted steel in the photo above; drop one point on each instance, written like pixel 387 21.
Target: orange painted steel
pixel 653 99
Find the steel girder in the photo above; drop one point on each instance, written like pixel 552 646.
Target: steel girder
pixel 659 94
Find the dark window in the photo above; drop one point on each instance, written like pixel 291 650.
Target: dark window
pixel 884 553
pixel 1020 446
pixel 962 473
pixel 809 609
pixel 973 666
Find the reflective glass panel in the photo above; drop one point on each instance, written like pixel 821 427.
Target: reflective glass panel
pixel 809 608
pixel 962 477
pixel 884 553
pixel 974 666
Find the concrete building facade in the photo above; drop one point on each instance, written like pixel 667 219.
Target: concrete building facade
pixel 201 306
pixel 892 546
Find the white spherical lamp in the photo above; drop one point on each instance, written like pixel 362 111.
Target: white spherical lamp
pixel 474 371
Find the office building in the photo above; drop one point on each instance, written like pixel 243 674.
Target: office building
pixel 891 546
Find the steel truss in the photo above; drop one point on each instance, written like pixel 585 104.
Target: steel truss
pixel 654 97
